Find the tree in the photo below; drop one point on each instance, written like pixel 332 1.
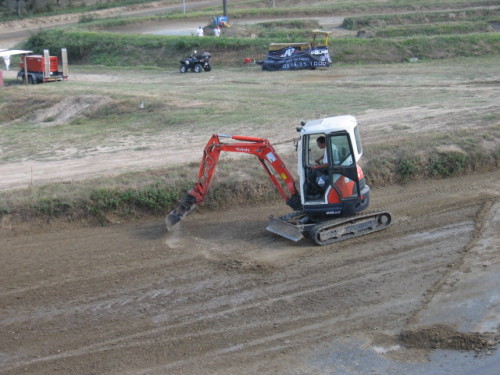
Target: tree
pixel 20 7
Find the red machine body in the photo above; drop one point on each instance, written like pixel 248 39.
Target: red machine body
pixel 259 147
pixel 36 63
pixel 43 68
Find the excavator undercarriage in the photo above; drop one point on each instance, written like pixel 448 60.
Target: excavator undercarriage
pixel 298 225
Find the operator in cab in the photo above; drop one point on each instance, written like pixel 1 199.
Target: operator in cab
pixel 321 162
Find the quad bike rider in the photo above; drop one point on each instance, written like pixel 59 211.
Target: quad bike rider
pixel 197 62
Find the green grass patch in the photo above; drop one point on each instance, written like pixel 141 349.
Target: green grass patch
pixel 420 18
pixel 414 30
pixel 427 157
pixel 43 9
pixel 297 9
pixel 155 193
pixel 127 50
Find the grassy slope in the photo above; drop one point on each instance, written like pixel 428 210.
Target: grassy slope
pixel 404 30
pixel 165 51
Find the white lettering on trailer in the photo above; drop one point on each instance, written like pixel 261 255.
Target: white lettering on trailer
pixel 319 52
pixel 288 52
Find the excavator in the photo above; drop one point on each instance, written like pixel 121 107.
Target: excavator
pixel 331 202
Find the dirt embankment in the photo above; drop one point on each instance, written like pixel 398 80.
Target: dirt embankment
pixel 34 23
pixel 12 32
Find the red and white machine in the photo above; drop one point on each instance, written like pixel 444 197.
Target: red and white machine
pixel 43 68
pixel 327 202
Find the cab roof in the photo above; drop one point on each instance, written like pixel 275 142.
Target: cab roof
pixel 330 124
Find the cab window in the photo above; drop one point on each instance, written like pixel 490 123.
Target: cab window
pixel 313 151
pixel 340 150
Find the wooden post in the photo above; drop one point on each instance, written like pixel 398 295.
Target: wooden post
pixel 25 69
pixel 46 64
pixel 64 58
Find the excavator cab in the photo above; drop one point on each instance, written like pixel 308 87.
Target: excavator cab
pixel 339 188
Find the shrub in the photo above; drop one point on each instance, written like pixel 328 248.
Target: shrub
pixel 407 168
pixel 86 18
pixel 448 164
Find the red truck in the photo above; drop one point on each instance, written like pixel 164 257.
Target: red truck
pixel 43 68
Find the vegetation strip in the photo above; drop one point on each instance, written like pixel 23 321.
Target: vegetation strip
pixel 125 50
pixel 156 193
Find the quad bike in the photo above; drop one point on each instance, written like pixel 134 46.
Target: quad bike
pixel 197 62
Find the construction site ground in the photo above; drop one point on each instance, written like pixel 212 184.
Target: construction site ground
pixel 221 295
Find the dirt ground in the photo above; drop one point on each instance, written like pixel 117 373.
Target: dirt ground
pixel 220 295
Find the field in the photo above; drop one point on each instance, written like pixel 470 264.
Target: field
pixel 220 295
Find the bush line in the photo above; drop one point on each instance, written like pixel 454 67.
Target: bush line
pixel 242 11
pixel 164 51
pixel 159 198
pixel 361 22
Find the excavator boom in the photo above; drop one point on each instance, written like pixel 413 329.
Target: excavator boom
pixel 259 147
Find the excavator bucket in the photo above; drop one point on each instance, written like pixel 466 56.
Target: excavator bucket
pixel 285 229
pixel 184 207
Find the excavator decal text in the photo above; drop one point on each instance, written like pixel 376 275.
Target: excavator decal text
pixel 241 149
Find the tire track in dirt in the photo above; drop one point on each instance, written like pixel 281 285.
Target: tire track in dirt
pixel 225 292
pixel 479 225
pixel 223 313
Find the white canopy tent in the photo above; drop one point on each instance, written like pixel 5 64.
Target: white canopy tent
pixel 8 53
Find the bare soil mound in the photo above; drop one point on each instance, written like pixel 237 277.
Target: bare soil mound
pixel 68 109
pixel 445 337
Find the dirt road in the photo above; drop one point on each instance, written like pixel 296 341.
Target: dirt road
pixel 220 295
pixel 12 32
pixel 223 296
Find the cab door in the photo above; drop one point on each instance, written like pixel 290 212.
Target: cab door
pixel 343 171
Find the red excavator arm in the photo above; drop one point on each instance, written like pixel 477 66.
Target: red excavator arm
pixel 249 145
